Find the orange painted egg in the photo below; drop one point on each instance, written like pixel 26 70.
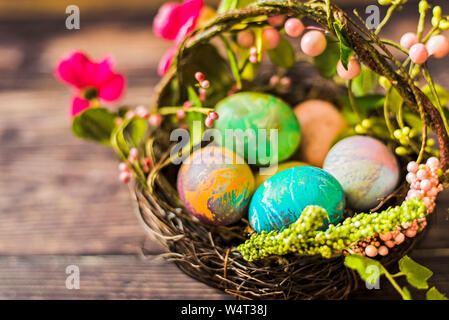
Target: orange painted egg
pixel 321 123
pixel 216 185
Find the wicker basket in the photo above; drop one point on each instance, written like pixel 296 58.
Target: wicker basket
pixel 205 252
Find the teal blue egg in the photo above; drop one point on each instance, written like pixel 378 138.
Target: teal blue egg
pixel 266 127
pixel 280 200
pixel 365 168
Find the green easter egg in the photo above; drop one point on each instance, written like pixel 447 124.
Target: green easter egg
pixel 260 127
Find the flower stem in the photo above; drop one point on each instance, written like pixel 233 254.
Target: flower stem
pixel 395 285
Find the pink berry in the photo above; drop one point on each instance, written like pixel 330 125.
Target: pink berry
pixel 390 244
pixel 271 38
pixel 433 162
pixel 130 114
pixel 253 59
pixel 276 21
pixel 410 178
pixel 418 53
pixel 425 185
pixel 209 122
pixel 410 233
pixel 124 177
pixel 294 27
pixel 205 84
pixel 433 192
pixel 371 251
pixel 142 112
pixel 213 115
pixel 253 51
pixel 286 81
pixel 385 236
pixel 123 167
pixel 187 105
pixel 353 71
pixel 245 38
pixel 274 80
pixel 399 238
pixel 427 201
pixel 313 43
pixel 438 46
pixel 383 250
pixel 147 162
pixel 134 153
pixel 202 94
pixel 422 174
pixel 199 76
pixel 155 120
pixel 412 167
pixel 408 40
pixel 180 114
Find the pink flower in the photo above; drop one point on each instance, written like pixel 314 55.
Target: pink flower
pixel 174 22
pixel 93 80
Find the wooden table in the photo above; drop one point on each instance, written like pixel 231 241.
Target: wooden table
pixel 60 200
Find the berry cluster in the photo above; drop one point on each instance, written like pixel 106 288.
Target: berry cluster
pixel 133 157
pixel 425 186
pixel 436 46
pixel 302 237
pixel 313 42
pixel 424 182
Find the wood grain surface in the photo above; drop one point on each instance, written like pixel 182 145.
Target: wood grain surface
pixel 60 200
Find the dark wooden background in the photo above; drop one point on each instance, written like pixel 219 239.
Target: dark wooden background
pixel 60 200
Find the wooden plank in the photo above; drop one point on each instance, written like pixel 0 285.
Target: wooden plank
pixel 101 277
pixel 131 277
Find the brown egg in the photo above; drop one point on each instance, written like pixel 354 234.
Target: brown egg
pixel 320 123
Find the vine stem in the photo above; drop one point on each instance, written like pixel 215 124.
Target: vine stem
pixel 390 278
pixel 387 17
pixel 173 109
pixel 387 113
pixel 352 101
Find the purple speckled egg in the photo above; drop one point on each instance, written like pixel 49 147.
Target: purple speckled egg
pixel 365 168
pixel 215 185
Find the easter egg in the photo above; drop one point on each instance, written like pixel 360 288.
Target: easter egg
pixel 280 200
pixel 215 185
pixel 365 168
pixel 265 173
pixel 320 123
pixel 259 127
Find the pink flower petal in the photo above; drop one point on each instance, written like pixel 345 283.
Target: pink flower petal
pixel 113 88
pixel 167 21
pixel 174 21
pixel 72 70
pixel 101 73
pixel 78 105
pixel 165 62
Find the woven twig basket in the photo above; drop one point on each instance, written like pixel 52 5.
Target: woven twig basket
pixel 205 252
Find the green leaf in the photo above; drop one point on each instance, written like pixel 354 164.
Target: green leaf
pixel 443 94
pixel 327 61
pixel 407 293
pixel 365 103
pixel 135 131
pixel 346 51
pixel 364 266
pixel 226 5
pixel 365 83
pixel 283 55
pixel 434 294
pixel 206 59
pixel 416 274
pixel 395 100
pixel 94 124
